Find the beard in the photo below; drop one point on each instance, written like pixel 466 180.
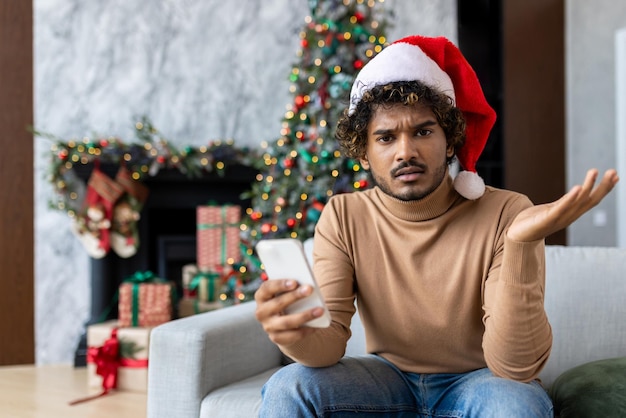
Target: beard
pixel 413 193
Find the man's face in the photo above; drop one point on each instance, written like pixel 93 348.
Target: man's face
pixel 406 151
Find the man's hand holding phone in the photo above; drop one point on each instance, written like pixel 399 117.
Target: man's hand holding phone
pixel 289 304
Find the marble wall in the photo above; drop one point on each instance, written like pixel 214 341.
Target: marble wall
pixel 199 69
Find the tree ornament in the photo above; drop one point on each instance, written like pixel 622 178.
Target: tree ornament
pixel 288 162
pixel 299 102
pixel 266 228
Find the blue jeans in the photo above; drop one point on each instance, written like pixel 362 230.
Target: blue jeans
pixel 371 386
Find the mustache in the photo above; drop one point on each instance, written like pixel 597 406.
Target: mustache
pixel 406 164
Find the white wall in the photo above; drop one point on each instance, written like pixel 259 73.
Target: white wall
pixel 591 109
pixel 620 80
pixel 200 69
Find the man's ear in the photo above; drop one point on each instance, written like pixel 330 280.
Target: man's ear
pixel 364 162
pixel 450 151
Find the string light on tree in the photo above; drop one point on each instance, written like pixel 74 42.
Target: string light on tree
pixel 303 167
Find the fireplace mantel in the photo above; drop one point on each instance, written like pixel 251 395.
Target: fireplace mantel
pixel 167 230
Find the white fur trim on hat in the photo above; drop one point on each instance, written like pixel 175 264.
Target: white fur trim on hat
pixel 469 185
pixel 400 62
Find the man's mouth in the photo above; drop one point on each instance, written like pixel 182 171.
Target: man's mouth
pixel 410 173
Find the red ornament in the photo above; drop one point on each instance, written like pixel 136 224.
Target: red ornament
pixel 363 184
pixel 317 205
pixel 359 17
pixel 104 143
pixel 160 159
pixel 304 43
pixel 266 228
pixel 358 64
pixel 264 276
pixel 289 162
pixel 255 216
pixel 62 155
pixel 291 222
pixel 299 101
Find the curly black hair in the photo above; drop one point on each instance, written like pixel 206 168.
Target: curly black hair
pixel 352 129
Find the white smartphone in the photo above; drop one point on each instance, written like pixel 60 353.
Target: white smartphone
pixel 284 258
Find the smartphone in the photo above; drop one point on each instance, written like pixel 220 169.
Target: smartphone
pixel 284 258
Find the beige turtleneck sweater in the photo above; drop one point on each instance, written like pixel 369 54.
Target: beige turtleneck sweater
pixel 439 286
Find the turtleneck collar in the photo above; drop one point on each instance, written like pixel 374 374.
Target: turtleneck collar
pixel 432 206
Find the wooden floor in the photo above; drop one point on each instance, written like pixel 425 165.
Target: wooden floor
pixel 46 391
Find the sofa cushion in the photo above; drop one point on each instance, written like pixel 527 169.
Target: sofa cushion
pixel 585 296
pixel 595 389
pixel 237 400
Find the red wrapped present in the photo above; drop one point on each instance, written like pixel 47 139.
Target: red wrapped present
pixel 218 236
pixel 145 301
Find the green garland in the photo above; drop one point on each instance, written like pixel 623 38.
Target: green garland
pixel 143 157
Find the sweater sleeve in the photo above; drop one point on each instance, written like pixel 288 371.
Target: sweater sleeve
pixel 518 336
pixel 334 274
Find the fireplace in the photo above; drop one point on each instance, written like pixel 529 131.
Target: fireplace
pixel 167 232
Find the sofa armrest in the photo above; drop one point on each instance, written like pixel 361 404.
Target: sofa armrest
pixel 192 356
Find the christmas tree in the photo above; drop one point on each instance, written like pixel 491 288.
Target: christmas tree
pixel 304 167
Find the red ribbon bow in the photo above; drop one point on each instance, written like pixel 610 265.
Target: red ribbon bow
pixel 107 361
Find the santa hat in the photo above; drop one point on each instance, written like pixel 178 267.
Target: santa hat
pixel 439 64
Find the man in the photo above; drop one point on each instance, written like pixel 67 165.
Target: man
pixel 447 274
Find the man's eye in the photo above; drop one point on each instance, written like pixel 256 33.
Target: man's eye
pixel 423 132
pixel 384 139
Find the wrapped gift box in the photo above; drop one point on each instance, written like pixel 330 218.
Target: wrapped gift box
pixel 208 285
pixel 193 306
pixel 145 304
pixel 131 363
pixel 218 236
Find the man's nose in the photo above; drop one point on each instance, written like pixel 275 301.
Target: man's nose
pixel 406 149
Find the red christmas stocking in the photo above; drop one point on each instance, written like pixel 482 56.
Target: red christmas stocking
pixel 126 213
pixel 93 224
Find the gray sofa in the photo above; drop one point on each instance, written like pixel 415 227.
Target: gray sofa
pixel 213 365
